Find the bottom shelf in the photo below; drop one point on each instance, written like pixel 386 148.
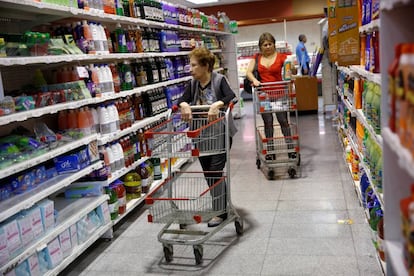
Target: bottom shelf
pixel 79 249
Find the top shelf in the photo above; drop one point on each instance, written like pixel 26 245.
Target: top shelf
pixel 32 6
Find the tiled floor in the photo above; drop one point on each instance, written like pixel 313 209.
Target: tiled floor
pixel 290 226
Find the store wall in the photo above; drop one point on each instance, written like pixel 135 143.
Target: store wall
pixel 309 27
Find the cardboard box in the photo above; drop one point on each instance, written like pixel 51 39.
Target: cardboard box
pixel 306 93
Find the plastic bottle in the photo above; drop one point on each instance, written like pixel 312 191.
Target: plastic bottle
pixel 95 119
pixel 132 183
pixel 111 158
pixel 376 108
pixel 121 195
pixel 112 202
pixel 87 34
pixel 375 60
pixel 72 122
pixel 62 120
pixel 84 123
pixel 144 173
pixel 121 39
pixel 103 155
pixel 104 120
pixel 109 6
pixel 96 86
pixel 121 154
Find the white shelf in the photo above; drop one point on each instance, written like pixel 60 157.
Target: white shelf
pixel 405 159
pixel 394 253
pixel 374 77
pixel 71 211
pixel 132 204
pixel 106 138
pixel 117 174
pixel 64 12
pixel 51 109
pixel 31 60
pixel 26 200
pixel 35 113
pixel 46 156
pixel 79 249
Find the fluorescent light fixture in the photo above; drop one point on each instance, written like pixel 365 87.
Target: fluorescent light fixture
pixel 198 2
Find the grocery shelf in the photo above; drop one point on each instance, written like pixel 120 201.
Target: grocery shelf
pixel 374 77
pixel 405 159
pixel 346 102
pixel 118 173
pixel 61 149
pixel 32 60
pixel 395 257
pixel 54 11
pixel 70 211
pixel 106 138
pixel 51 109
pixel 26 200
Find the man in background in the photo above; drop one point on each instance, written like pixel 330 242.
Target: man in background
pixel 302 55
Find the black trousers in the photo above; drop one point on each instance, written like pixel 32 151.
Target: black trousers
pixel 282 118
pixel 213 166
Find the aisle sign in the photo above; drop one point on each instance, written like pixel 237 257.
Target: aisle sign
pixel 347 17
pixel 332 31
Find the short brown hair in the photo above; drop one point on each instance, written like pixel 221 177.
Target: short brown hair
pixel 266 37
pixel 204 57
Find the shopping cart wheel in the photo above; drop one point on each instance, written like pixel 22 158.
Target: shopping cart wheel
pixel 168 252
pixel 198 253
pixel 258 163
pixel 271 174
pixel 292 172
pixel 238 223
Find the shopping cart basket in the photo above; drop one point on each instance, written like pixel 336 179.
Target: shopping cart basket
pixel 279 150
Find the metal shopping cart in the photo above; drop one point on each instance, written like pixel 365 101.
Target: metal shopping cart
pixel 190 198
pixel 277 148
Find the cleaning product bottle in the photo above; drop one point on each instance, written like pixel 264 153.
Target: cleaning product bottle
pixel 287 69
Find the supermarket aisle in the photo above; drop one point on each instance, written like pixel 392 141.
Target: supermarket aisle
pixel 291 226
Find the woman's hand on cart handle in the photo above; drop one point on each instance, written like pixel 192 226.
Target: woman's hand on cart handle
pixel 214 110
pixel 186 113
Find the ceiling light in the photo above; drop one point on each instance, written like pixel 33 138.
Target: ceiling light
pixel 198 2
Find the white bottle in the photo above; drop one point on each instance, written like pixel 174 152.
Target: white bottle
pixel 109 79
pixel 103 38
pixel 101 78
pixel 104 120
pixel 117 155
pixel 113 115
pixel 111 158
pixel 122 155
pixel 96 42
pixel 95 118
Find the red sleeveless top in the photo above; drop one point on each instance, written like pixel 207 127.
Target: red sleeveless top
pixel 274 72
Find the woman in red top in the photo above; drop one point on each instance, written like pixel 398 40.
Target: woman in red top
pixel 270 64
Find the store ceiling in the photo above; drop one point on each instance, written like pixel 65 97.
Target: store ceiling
pixel 220 2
